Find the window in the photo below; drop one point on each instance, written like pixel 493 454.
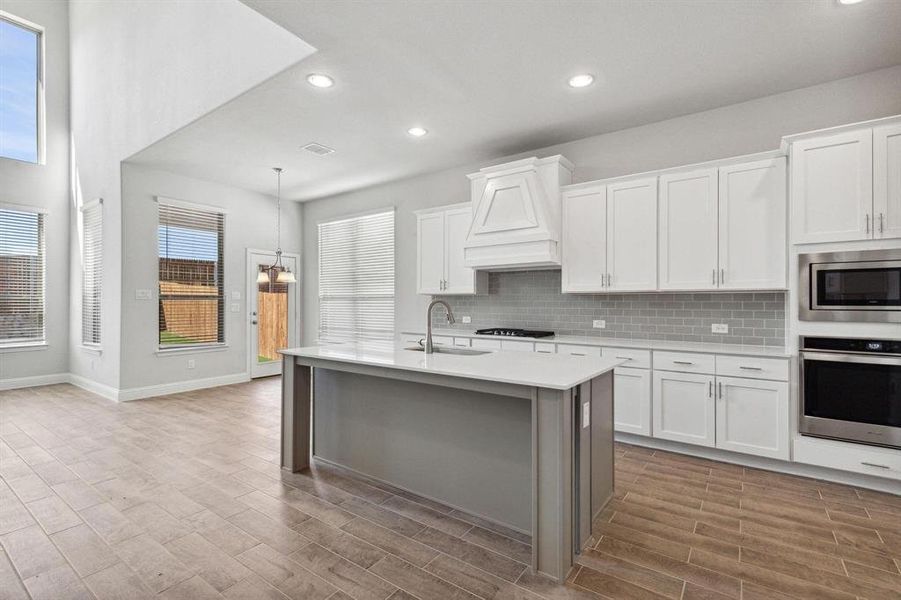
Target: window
pixel 21 89
pixel 192 298
pixel 356 278
pixel 91 271
pixel 21 277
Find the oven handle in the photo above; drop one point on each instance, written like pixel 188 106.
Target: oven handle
pixel 851 358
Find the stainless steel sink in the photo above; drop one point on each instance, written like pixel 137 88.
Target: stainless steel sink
pixel 443 350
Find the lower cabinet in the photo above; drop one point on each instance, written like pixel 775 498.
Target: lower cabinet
pixel 632 400
pixel 752 416
pixel 684 408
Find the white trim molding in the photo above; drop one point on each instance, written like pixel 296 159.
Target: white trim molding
pixel 178 387
pixel 34 381
pixel 95 387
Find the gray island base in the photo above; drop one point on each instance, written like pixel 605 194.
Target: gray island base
pixel 523 440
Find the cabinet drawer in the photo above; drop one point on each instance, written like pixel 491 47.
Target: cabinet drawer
pixel 578 350
pixel 752 367
pixel 483 344
pixel 685 362
pixel 461 342
pixel 881 462
pixel 518 346
pixel 545 348
pixel 442 340
pixel 637 359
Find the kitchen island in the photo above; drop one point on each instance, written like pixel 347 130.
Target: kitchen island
pixel 523 440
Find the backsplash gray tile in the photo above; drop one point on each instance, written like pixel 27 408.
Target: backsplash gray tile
pixel 533 300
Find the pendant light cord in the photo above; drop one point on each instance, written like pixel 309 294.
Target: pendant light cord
pixel 278 218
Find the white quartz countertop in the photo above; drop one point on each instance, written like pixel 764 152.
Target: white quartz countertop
pixel 554 371
pixel 705 347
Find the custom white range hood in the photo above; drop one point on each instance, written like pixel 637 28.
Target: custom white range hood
pixel 516 214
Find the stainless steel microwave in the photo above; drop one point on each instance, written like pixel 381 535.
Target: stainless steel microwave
pixel 850 286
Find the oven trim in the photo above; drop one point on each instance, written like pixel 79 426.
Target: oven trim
pixel 808 311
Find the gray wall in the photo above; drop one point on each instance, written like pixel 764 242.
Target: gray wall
pixel 533 300
pixel 46 186
pixel 752 126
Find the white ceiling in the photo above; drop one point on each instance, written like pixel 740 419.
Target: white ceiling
pixel 488 79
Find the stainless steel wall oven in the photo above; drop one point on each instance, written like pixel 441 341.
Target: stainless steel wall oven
pixel 851 390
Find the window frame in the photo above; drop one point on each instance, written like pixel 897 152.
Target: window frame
pixel 221 318
pixel 98 281
pixel 41 108
pixel 348 217
pixel 20 344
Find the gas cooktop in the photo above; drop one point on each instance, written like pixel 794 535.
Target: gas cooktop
pixel 514 332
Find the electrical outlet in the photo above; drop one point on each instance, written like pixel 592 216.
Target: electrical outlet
pixel 236 307
pixel 143 295
pixel 236 295
pixel 719 328
pixel 466 319
pixel 599 324
pixel 191 363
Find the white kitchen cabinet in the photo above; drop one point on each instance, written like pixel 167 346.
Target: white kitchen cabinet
pixel 684 408
pixel 486 344
pixel 752 228
pixel 688 230
pixel 632 400
pixel 752 416
pixel 517 345
pixel 832 187
pixel 584 239
pixel 440 235
pixel 632 235
pixel 887 181
pixel 610 237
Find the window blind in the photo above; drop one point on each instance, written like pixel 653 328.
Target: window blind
pixel 191 290
pixel 356 278
pixel 91 272
pixel 21 277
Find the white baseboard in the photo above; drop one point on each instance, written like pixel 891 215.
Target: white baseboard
pixel 759 462
pixel 36 380
pixel 178 387
pixel 95 387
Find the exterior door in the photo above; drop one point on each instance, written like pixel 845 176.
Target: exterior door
pixel 684 408
pixel 632 235
pixel 585 240
pixel 459 278
pixel 273 313
pixel 752 215
pixel 832 188
pixel 887 180
pixel 688 230
pixel 632 400
pixel 430 254
pixel 752 416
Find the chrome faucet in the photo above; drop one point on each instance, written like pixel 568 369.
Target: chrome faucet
pixel 428 318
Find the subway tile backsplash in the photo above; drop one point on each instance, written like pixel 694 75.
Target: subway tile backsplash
pixel 533 300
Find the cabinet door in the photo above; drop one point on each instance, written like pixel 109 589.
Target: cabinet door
pixel 584 240
pixel 887 180
pixel 688 230
pixel 430 253
pixel 632 235
pixel 683 408
pixel 752 214
pixel 632 400
pixel 832 188
pixel 752 416
pixel 459 279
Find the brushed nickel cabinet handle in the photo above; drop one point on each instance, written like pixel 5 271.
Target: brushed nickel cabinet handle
pixel 713 277
pixel 722 276
pixel 624 357
pixel 750 368
pixel 881 223
pixel 683 362
pixel 877 465
pixel 720 386
pixel 710 389
pixel 867 221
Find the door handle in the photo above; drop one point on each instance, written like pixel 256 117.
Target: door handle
pixel 253 322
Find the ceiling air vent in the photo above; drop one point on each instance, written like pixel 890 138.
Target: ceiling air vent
pixel 318 149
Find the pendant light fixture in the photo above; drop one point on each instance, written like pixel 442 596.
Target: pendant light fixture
pixel 284 274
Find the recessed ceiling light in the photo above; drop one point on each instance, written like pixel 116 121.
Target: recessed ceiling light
pixel 319 80
pixel 850 1
pixel 417 131
pixel 580 81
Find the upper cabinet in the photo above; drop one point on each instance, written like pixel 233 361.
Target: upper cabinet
pixel 688 230
pixel 440 234
pixel 610 236
pixel 516 214
pixel 846 185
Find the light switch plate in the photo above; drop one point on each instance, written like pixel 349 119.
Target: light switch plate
pixel 466 319
pixel 236 295
pixel 599 324
pixel 586 414
pixel 143 295
pixel 719 328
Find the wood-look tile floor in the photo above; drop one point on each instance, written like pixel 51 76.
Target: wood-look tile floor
pixel 182 497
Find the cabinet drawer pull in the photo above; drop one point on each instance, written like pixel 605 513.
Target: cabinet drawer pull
pixel 544 352
pixel 710 389
pixel 683 362
pixel 577 354
pixel 750 368
pixel 878 466
pixel 624 357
